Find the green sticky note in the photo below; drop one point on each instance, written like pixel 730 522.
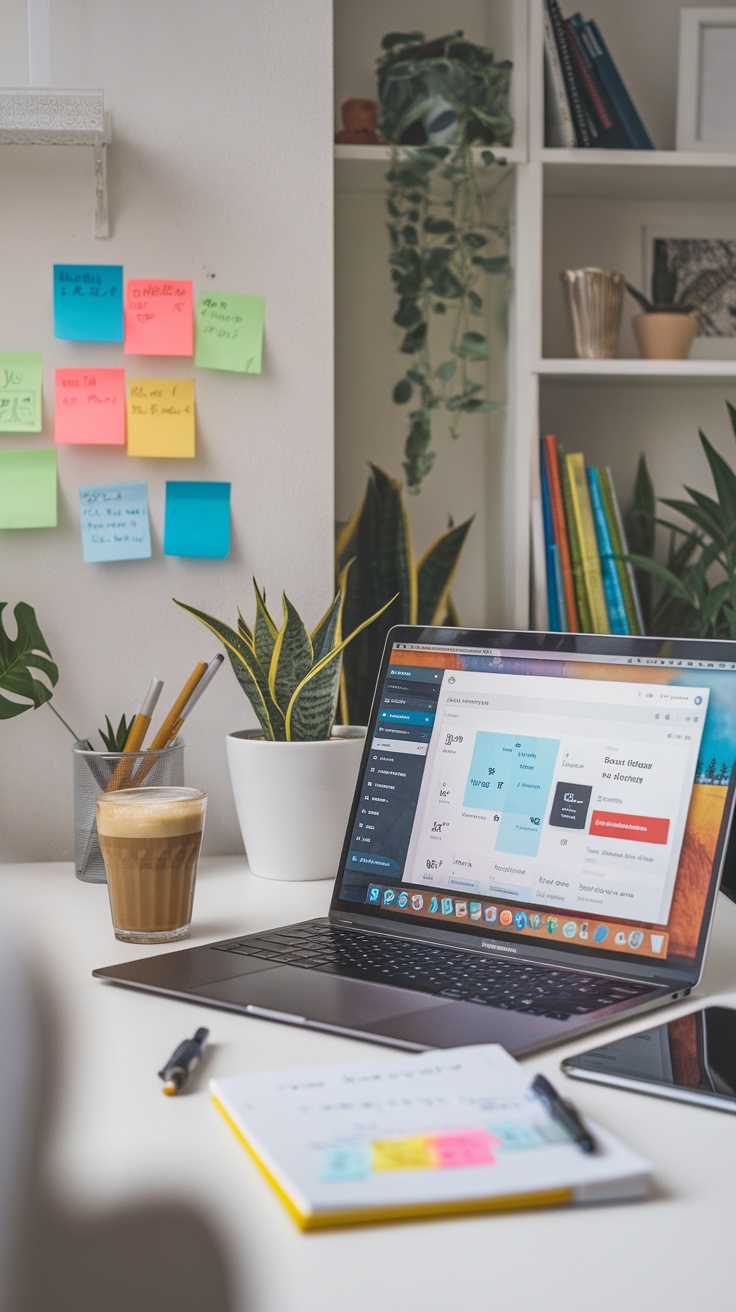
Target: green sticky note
pixel 28 488
pixel 230 332
pixel 20 391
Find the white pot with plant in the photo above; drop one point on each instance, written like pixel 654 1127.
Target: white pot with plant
pixel 293 778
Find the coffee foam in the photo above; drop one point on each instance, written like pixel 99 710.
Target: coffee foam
pixel 157 818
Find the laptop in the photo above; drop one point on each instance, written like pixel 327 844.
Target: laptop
pixel 534 848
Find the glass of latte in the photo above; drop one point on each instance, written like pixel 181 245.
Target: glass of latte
pixel 150 840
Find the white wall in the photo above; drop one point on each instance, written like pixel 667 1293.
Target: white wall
pixel 220 171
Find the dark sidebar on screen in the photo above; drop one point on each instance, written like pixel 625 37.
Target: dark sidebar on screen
pixel 393 776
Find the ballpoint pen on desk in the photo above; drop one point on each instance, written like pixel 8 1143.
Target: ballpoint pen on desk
pixel 188 697
pixel 182 1062
pixel 138 730
pixel 563 1113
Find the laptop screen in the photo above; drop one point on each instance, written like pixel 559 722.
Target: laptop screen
pixel 577 798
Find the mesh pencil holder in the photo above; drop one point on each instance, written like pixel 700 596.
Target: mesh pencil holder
pixel 93 771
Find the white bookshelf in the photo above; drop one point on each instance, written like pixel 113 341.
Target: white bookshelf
pixel 567 208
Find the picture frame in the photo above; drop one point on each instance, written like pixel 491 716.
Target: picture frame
pixel 706 86
pixel 700 243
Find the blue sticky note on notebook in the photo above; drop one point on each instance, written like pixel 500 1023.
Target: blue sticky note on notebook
pixel 114 522
pixel 197 520
pixel 88 302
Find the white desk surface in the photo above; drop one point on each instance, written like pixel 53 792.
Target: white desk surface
pixel 118 1138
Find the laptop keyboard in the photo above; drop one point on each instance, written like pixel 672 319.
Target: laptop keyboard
pixel 446 972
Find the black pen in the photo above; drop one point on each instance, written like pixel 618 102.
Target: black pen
pixel 182 1062
pixel 564 1113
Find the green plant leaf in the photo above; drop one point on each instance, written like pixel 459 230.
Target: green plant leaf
pixel 18 657
pixel 292 657
pixel 693 512
pixel 414 339
pixel 724 479
pixel 264 631
pixel 400 38
pixel 438 226
pixel 436 571
pixel 248 672
pixel 328 632
pixel 492 264
pixel 402 392
pixel 408 313
pixel 446 370
pixel 640 299
pixel 473 346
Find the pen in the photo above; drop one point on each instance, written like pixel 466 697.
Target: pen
pixel 138 729
pixel 564 1113
pixel 182 1062
pixel 163 738
pixel 208 675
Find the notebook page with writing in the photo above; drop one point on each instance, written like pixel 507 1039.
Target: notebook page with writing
pixel 446 1131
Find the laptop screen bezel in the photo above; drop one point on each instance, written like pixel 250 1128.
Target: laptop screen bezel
pixel 343 911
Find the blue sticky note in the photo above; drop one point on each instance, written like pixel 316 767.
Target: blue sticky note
pixel 114 520
pixel 344 1164
pixel 197 520
pixel 88 302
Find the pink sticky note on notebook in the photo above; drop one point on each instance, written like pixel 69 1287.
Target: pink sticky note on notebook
pixel 464 1148
pixel 90 407
pixel 159 317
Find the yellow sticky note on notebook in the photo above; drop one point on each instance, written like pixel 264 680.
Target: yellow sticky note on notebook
pixel 161 417
pixel 414 1153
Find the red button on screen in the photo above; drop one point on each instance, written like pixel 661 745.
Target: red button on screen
pixel 634 828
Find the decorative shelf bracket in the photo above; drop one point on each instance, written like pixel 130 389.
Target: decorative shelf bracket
pixel 51 117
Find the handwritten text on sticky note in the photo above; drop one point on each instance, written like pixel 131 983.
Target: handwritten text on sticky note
pixel 230 332
pixel 197 520
pixel 114 521
pixel 158 317
pixel 161 417
pixel 90 406
pixel 88 302
pixel 414 1153
pixel 28 488
pixel 20 392
pixel 344 1164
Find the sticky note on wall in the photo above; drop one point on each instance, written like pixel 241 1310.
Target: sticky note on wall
pixel 90 407
pixel 230 332
pixel 88 302
pixel 114 522
pixel 28 488
pixel 20 391
pixel 197 520
pixel 161 417
pixel 158 317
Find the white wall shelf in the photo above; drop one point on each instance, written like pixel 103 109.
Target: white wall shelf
pixel 639 174
pixel 629 371
pixel 362 168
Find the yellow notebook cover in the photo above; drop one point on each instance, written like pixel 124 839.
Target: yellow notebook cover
pixel 441 1133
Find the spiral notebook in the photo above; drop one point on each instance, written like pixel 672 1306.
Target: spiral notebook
pixel 456 1130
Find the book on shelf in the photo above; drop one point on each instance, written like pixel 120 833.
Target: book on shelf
pixel 588 578
pixel 586 100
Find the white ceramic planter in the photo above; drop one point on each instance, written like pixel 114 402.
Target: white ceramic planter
pixel 293 800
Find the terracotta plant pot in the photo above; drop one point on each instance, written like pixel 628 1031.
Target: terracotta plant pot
pixel 665 336
pixel 293 800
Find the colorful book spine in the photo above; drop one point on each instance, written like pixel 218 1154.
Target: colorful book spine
pixel 553 609
pixel 610 132
pixel 611 80
pixel 559 524
pixel 609 573
pixel 564 626
pixel 576 107
pixel 540 617
pixel 558 125
pixel 591 564
pixel 621 550
pixel 585 621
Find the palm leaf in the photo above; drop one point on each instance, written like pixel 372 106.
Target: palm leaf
pixel 292 656
pixel 724 479
pixel 18 658
pixel 436 571
pixel 248 672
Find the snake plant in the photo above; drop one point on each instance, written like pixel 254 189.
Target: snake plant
pixel 378 541
pixel 290 677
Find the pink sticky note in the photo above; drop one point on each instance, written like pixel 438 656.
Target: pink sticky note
pixel 90 407
pixel 465 1148
pixel 159 317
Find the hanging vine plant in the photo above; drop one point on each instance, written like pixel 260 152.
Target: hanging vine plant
pixel 439 99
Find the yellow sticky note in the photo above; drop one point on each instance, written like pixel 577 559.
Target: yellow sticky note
pixel 161 417
pixel 411 1154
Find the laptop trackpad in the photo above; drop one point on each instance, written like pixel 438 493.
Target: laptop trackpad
pixel 326 998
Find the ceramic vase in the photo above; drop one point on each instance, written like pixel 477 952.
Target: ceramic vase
pixel 293 800
pixel 594 302
pixel 665 336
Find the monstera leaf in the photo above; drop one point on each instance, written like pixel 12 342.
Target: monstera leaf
pixel 18 657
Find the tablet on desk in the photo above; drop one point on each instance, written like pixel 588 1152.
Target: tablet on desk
pixel 692 1058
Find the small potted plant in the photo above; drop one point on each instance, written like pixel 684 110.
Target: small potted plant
pixel 293 778
pixel 668 324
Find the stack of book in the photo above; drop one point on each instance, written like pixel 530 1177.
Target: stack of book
pixel 590 585
pixel 585 100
